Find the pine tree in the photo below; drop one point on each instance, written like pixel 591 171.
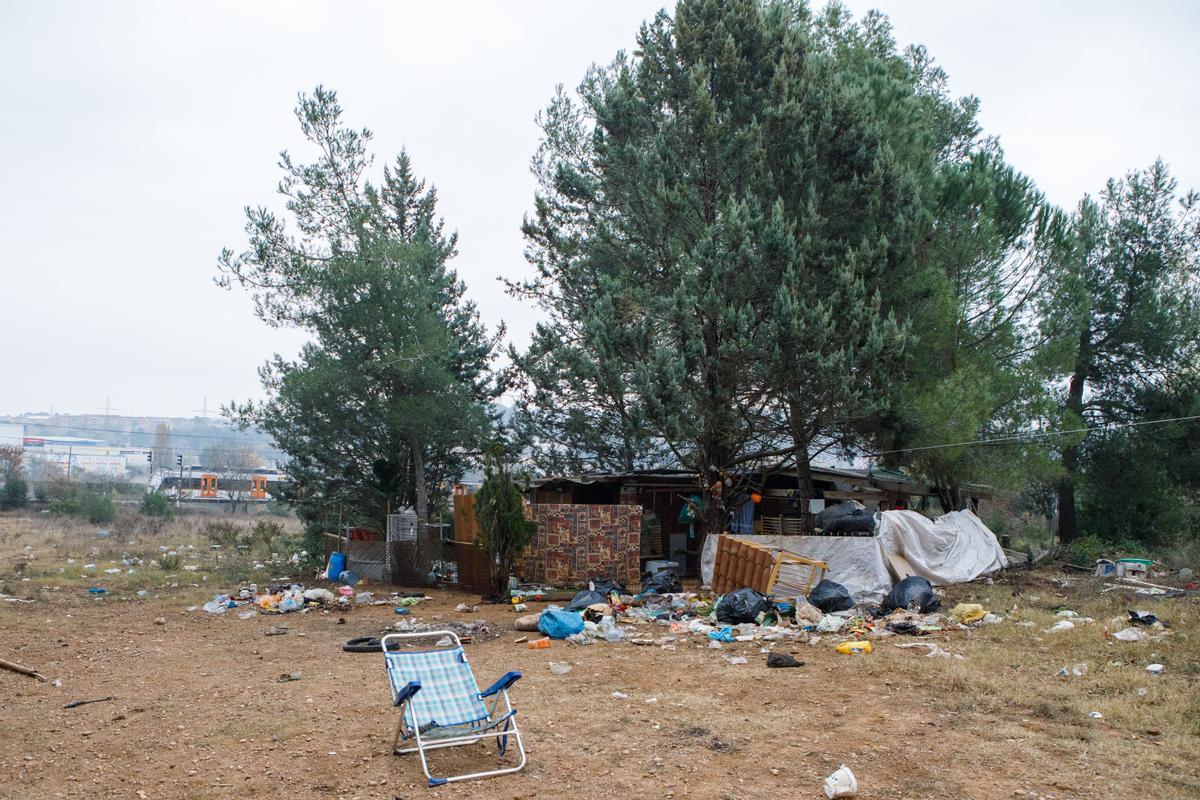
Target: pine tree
pixel 384 403
pixel 718 218
pixel 1128 291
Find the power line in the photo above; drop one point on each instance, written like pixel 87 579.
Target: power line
pixel 1036 435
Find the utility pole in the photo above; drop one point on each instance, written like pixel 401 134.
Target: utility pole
pixel 179 486
pixel 69 449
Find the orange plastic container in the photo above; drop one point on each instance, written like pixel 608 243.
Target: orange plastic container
pixel 540 644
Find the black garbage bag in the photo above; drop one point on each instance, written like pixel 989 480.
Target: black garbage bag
pixel 829 596
pixel 742 605
pixel 912 592
pixel 663 582
pixel 845 518
pixel 584 599
pixel 607 586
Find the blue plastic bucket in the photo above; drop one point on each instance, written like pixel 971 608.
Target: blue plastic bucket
pixel 337 565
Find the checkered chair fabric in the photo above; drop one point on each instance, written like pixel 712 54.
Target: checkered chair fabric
pixel 449 695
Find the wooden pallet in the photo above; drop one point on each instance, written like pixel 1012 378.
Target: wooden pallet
pixel 768 570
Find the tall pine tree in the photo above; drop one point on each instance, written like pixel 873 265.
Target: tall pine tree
pixel 393 389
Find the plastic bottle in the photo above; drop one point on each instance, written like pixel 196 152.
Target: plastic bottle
pixel 540 644
pixel 846 648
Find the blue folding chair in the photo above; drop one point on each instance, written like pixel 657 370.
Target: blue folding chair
pixel 441 705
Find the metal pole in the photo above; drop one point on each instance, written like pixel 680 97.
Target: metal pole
pixel 179 486
pixel 69 450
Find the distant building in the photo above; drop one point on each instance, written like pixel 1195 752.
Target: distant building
pixel 12 434
pixel 90 455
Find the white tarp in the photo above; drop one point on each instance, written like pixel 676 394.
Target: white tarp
pixel 856 562
pixel 954 548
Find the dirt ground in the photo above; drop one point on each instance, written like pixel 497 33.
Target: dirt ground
pixel 198 711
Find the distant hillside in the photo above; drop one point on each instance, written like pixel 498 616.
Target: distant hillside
pixel 189 436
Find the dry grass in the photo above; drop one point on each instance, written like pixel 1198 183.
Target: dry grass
pixel 1009 673
pixel 46 552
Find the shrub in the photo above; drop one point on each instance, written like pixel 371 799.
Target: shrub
pixel 98 509
pixel 15 494
pixel 225 534
pixel 156 505
pixel 168 562
pixel 268 534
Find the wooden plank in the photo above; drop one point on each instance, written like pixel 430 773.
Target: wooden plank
pixel 900 566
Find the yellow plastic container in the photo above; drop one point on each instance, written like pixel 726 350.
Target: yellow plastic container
pixel 846 648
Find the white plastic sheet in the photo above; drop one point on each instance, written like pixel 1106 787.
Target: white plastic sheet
pixel 954 548
pixel 856 562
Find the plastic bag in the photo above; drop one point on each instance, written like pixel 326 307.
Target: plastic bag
pixel 743 605
pixel 663 582
pixel 846 517
pixel 912 591
pixel 607 586
pixel 966 613
pixel 584 599
pixel 829 596
pixel 559 624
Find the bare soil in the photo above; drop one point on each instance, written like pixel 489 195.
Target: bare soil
pixel 199 711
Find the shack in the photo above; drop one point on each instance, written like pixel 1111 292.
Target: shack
pixel 669 532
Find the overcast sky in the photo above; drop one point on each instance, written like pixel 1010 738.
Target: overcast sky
pixel 134 133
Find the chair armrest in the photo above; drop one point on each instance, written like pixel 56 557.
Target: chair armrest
pixel 408 691
pixel 508 680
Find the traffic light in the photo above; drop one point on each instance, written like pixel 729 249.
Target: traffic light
pixel 179 460
pixel 150 456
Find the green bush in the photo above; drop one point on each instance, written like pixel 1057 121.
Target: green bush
pixel 156 505
pixel 15 493
pixel 98 509
pixel 224 534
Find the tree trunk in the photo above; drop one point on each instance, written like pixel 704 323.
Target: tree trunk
pixel 421 490
pixel 804 485
pixel 1067 521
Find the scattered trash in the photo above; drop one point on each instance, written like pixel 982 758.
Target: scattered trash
pixel 1154 669
pixel 723 635
pixel 830 596
pixel 934 650
pixel 247 614
pixel 585 598
pixel 841 783
pixel 320 595
pixel 737 660
pixel 782 660
pixel 275 630
pixel 559 668
pixel 966 613
pixel 1079 670
pixel 1095 715
pixel 1060 626
pixel 848 648
pixel 1145 618
pixel 77 703
pixel 289 676
pixel 807 612
pixel 559 624
pixel 97 590
pixel 466 609
pixel 619 696
pixel 160 620
pixel 1131 635
pixel 663 582
pixel 914 592
pixel 539 644
pixel 1066 613
pixel 991 619
pixel 520 639
pixel 831 623
pixel 742 605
